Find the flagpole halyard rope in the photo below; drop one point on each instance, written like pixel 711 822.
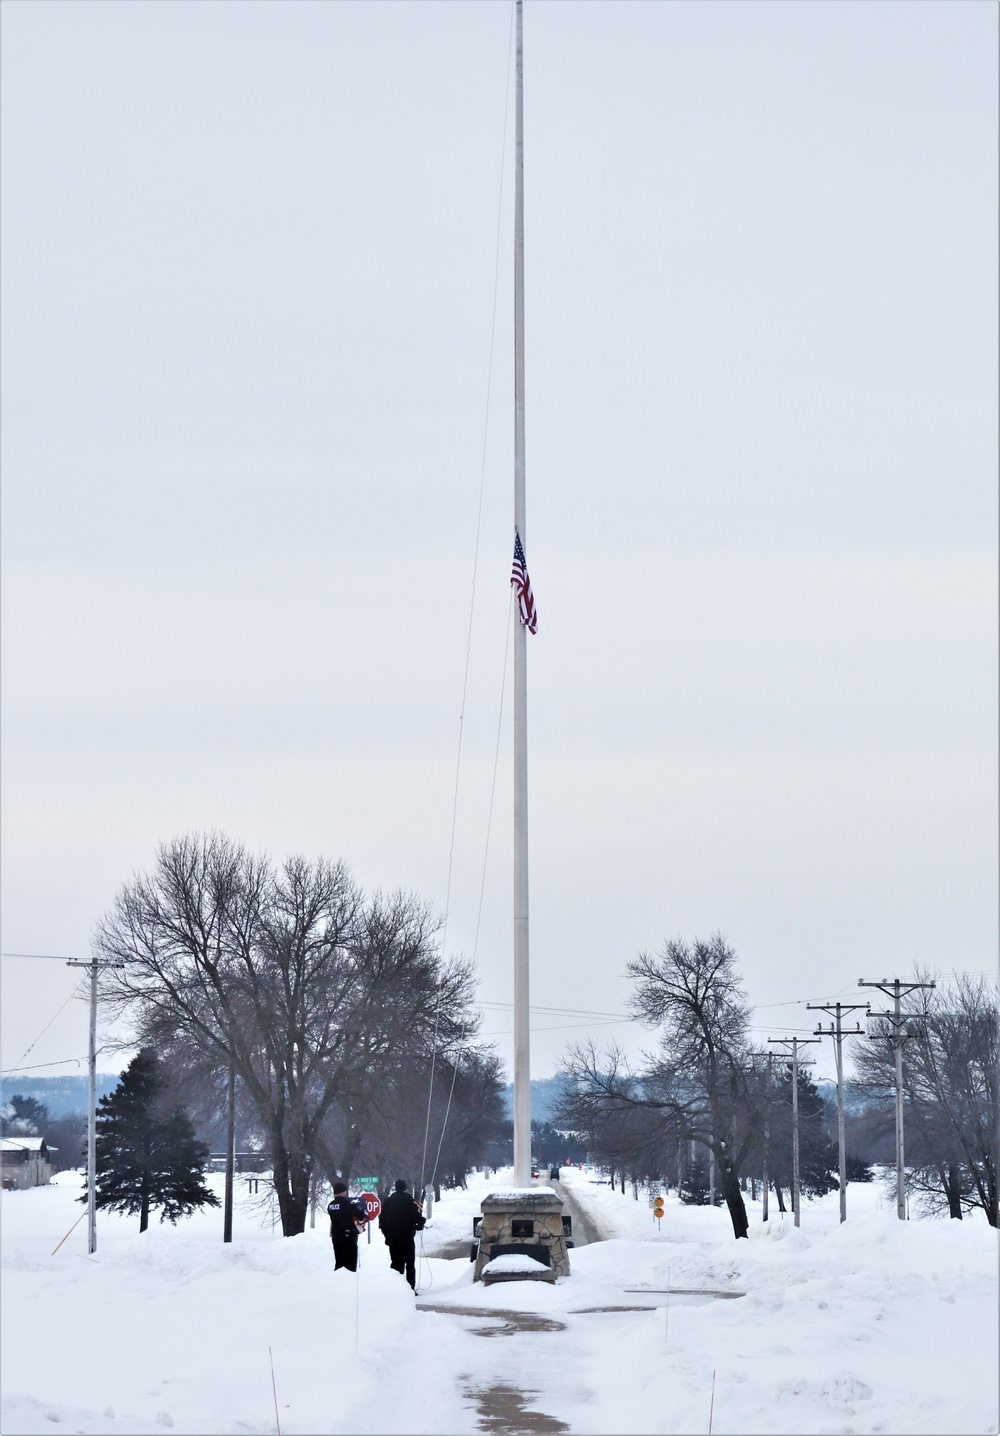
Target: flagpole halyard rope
pixel 479 511
pixel 482 883
pixel 472 602
pixel 482 889
pixel 493 788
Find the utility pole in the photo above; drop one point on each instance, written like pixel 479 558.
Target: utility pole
pixel 836 1009
pixel 94 967
pixel 795 1043
pixel 897 989
pixel 767 1132
pixel 227 1215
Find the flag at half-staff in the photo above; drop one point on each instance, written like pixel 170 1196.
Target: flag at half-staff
pixel 520 580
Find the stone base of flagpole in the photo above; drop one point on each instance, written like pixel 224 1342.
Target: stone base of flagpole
pixel 522 1222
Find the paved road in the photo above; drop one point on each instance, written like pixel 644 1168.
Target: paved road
pixel 547 1361
pixel 585 1228
pixel 449 1250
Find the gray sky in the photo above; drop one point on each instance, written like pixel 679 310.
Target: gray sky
pixel 248 276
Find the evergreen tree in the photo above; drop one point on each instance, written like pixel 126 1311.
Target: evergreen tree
pixel 24 1117
pixel 696 1186
pixel 554 1148
pixel 147 1152
pixel 858 1170
pixel 818 1157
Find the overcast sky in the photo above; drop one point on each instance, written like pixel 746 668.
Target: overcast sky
pixel 249 254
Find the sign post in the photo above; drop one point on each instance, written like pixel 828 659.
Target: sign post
pixel 658 1210
pixel 372 1205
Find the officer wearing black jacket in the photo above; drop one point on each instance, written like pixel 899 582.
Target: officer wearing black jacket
pixel 344 1214
pixel 401 1218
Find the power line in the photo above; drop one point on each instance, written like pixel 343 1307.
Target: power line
pixel 774 1027
pixel 41 956
pixel 562 1027
pixel 69 999
pixel 795 1002
pixel 10 1071
pixel 564 1011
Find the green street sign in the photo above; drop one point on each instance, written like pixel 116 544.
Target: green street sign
pixel 367 1184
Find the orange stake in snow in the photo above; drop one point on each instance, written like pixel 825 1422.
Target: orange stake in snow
pixel 275 1390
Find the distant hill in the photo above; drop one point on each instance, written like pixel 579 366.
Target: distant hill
pixel 69 1094
pixel 61 1095
pixel 545 1095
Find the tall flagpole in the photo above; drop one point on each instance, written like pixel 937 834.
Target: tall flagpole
pixel 522 1060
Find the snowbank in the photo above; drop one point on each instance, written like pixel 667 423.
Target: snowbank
pixel 876 1325
pixel 173 1329
pixel 511 1264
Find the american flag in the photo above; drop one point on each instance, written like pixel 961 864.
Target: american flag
pixel 519 578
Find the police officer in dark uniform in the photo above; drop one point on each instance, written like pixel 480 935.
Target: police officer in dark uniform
pixel 344 1216
pixel 401 1218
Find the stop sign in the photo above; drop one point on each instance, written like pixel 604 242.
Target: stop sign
pixel 371 1204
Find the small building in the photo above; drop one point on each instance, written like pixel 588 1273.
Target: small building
pixel 24 1162
pixel 250 1161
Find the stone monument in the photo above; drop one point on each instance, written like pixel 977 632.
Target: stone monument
pixel 524 1221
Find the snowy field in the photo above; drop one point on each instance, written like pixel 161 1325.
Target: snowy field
pixel 876 1326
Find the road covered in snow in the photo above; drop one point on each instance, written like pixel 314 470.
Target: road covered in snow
pixel 876 1326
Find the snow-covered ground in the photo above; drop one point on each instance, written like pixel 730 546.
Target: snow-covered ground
pixel 876 1326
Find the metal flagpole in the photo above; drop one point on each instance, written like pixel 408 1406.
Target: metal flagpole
pixel 522 1060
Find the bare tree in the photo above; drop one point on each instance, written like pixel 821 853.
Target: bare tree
pixel 703 1085
pixel 951 1085
pixel 629 1120
pixel 694 995
pixel 409 1002
pixel 311 991
pixel 460 1125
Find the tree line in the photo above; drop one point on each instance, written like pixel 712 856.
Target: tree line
pixel 708 1095
pixel 329 1006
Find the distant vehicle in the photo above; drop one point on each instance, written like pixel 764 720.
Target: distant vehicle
pixel 535 1172
pixel 553 1174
